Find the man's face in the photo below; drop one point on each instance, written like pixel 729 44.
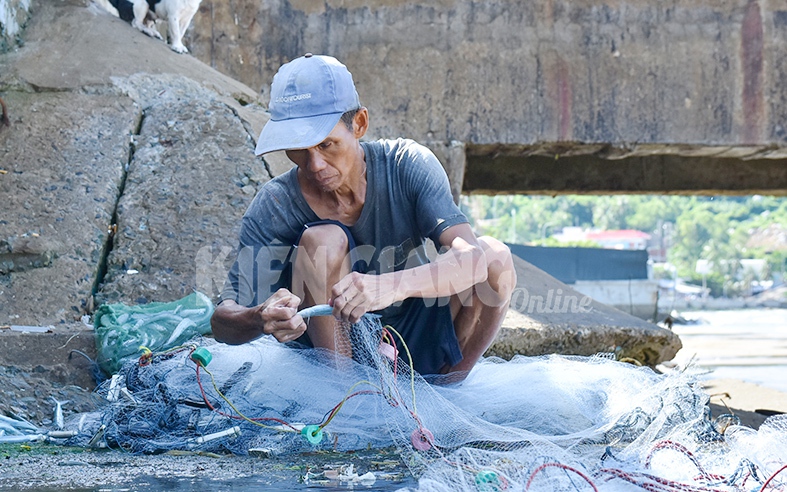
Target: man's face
pixel 329 164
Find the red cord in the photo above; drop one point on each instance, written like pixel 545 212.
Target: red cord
pixel 660 485
pixel 683 449
pixel 559 465
pixel 767 482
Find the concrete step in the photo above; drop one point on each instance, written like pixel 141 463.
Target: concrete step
pixel 548 316
pixel 50 354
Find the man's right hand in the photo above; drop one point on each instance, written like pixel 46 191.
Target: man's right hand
pixel 279 316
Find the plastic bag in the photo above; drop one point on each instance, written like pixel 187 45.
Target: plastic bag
pixel 122 332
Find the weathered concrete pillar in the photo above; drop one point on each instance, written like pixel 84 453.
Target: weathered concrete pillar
pixel 114 182
pixel 452 156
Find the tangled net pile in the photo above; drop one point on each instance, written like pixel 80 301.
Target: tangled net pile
pixel 533 423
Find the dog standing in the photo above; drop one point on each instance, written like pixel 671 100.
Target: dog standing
pixel 143 14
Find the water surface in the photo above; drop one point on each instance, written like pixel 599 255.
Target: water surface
pixel 745 344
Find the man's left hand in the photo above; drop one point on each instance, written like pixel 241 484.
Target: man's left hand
pixel 357 294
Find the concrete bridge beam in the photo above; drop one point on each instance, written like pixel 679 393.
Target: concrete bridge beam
pixel 669 78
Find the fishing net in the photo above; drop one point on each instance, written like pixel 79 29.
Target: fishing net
pixel 533 423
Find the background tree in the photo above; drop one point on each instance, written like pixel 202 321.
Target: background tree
pixel 722 230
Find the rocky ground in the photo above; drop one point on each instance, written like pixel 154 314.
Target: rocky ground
pixel 29 394
pixel 42 467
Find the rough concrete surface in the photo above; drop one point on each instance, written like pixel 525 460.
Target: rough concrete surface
pixel 30 394
pixel 74 44
pixel 62 162
pixel 548 316
pixel 191 177
pixel 121 151
pixel 635 91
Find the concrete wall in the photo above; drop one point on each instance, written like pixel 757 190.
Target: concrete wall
pixel 635 297
pixel 505 72
pixel 606 79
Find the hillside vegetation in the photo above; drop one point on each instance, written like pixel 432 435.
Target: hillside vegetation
pixel 723 230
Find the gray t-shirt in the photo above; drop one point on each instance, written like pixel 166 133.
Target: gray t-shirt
pixel 408 201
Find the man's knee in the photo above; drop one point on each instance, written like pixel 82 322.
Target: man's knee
pixel 499 261
pixel 501 276
pixel 325 243
pixel 321 259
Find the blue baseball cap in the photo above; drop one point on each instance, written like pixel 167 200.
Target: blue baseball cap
pixel 308 97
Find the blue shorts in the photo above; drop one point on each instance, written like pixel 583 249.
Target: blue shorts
pixel 425 324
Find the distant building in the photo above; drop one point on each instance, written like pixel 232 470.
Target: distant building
pixel 627 239
pixel 769 239
pixel 620 239
pixel 571 234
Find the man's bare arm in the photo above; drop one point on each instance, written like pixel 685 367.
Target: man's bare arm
pixel 460 267
pixel 278 316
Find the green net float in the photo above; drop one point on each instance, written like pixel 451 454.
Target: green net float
pixel 312 433
pixel 488 481
pixel 202 356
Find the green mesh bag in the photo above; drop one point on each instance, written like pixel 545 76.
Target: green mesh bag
pixel 122 331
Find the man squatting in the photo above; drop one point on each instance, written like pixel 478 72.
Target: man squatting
pixel 354 218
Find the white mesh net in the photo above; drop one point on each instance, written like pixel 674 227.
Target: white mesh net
pixel 532 423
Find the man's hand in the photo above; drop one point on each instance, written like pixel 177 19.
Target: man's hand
pixel 458 269
pixel 356 294
pixel 279 316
